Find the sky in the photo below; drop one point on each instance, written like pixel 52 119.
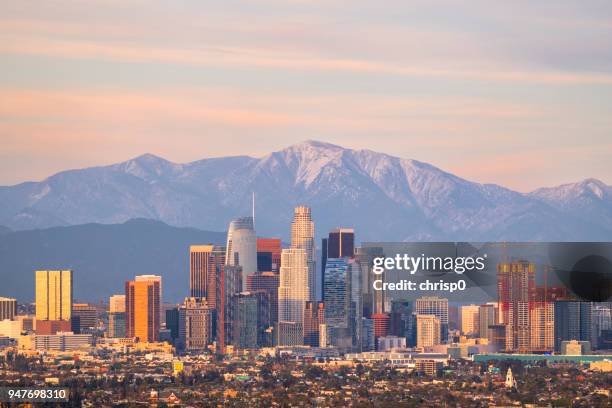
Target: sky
pixel 514 93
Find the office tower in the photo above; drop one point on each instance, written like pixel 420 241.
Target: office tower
pixel 382 322
pixel 293 293
pixel 116 317
pixel 302 237
pixel 194 325
pixel 356 306
pixel 268 254
pixel 572 321
pixel 470 322
pixel 515 290
pixel 342 298
pixel 267 282
pixel 487 316
pixel 172 322
pixel 541 326
pixel 116 304
pixel 339 244
pixel 143 304
pixel 401 312
pixel 54 295
pixel 53 301
pixel 321 280
pixel 154 278
pixel 368 342
pixel 116 325
pixel 602 325
pixel 433 305
pixel 337 299
pixel 428 330
pixel 373 300
pixel 251 319
pixel 8 308
pixel 314 317
pixel 229 283
pixel 242 247
pixel 84 317
pixel 205 263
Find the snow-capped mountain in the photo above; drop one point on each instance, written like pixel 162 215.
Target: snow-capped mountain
pixel 383 197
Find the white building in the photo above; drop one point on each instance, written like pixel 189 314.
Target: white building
pixel 293 290
pixel 302 237
pixel 242 247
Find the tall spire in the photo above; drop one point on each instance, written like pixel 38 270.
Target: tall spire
pixel 253 209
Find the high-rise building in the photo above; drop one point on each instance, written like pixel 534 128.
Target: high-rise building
pixel 242 247
pixel 314 317
pixel 143 304
pixel 268 254
pixel 572 321
pixel 433 305
pixel 368 342
pixel 116 325
pixel 382 322
pixel 487 316
pixel 205 264
pixel 401 312
pixel 116 317
pixel 116 304
pixel 8 308
pixel 84 316
pixel 373 300
pixel 154 278
pixel 470 322
pixel 602 325
pixel 268 282
pixel 194 324
pixel 542 326
pixel 293 292
pixel 516 289
pixel 54 295
pixel 302 237
pixel 428 330
pixel 229 283
pixel 342 298
pixel 251 319
pixel 172 322
pixel 53 301
pixel 340 243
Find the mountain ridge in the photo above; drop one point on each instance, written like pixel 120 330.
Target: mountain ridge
pixel 384 197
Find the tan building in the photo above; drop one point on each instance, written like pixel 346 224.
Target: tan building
pixel 53 295
pixel 8 308
pixel 116 304
pixel 53 301
pixel 143 310
pixel 302 237
pixel 469 320
pixel 542 322
pixel 428 330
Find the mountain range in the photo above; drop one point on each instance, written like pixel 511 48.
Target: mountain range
pixel 383 197
pixel 102 256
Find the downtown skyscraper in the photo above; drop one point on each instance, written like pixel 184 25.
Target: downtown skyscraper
pixel 302 237
pixel 515 292
pixel 293 293
pixel 54 296
pixel 143 305
pixel 205 265
pixel 242 246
